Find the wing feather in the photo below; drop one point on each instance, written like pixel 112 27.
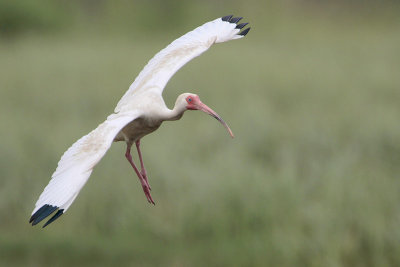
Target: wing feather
pixel 76 165
pixel 165 63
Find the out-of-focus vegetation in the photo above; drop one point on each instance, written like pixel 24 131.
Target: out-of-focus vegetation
pixel 312 95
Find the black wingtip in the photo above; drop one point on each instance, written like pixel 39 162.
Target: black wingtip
pixel 241 25
pixel 245 31
pixel 235 20
pixel 42 213
pixel 37 213
pixel 227 18
pixel 55 217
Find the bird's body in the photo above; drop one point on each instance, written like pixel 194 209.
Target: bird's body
pixel 148 123
pixel 139 112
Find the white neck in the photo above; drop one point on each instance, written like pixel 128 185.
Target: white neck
pixel 175 114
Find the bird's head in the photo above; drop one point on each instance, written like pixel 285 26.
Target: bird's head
pixel 192 102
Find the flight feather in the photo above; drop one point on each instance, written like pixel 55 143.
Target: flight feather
pixel 76 165
pixel 165 63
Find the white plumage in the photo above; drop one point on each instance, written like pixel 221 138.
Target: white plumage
pixel 140 111
pixel 165 63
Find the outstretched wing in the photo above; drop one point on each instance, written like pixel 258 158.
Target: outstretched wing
pixel 75 167
pixel 165 63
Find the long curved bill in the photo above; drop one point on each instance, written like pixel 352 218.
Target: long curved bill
pixel 203 107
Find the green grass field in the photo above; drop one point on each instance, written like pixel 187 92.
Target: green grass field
pixel 310 179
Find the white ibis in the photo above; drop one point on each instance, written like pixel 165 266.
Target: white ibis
pixel 139 112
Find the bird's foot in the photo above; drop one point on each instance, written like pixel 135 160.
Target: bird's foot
pixel 146 190
pixel 144 175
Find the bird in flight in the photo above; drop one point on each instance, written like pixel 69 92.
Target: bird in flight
pixel 139 112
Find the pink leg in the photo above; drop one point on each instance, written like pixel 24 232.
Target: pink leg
pixel 145 186
pixel 143 170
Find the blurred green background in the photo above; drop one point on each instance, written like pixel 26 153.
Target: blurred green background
pixel 312 95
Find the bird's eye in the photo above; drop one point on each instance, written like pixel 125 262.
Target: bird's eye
pixel 189 99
